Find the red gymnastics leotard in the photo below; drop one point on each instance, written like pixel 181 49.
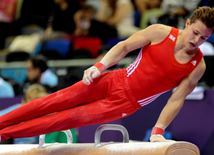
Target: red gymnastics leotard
pixel 156 70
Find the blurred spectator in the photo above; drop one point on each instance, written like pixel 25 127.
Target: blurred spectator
pixel 7 16
pixel 7 10
pixel 90 34
pixel 24 17
pixel 209 3
pixel 38 72
pixel 6 89
pixel 207 48
pixel 35 12
pixel 176 12
pixel 33 92
pixel 118 13
pixel 147 9
pixel 144 5
pixel 61 21
pixel 86 25
pixel 94 3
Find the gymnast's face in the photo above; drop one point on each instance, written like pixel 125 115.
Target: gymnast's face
pixel 196 34
pixel 33 73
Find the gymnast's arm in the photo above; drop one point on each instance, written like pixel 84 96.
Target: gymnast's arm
pixel 153 33
pixel 176 101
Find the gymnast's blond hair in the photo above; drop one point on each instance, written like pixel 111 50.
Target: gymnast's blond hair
pixel 204 14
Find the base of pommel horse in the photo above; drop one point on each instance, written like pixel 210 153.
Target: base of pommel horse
pixel 98 148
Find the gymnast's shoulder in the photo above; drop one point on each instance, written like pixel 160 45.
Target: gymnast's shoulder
pixel 157 32
pixel 160 29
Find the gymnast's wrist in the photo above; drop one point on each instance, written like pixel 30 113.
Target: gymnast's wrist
pixel 100 66
pixel 157 131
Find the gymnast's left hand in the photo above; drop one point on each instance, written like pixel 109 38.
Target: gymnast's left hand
pixel 90 74
pixel 159 138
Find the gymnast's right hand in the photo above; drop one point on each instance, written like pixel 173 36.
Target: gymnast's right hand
pixel 90 74
pixel 159 138
pixel 157 135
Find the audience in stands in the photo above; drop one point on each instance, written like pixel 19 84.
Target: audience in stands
pixel 87 25
pixel 118 13
pixel 35 12
pixel 61 21
pixel 176 12
pixel 94 3
pixel 209 3
pixel 7 10
pixel 25 16
pixel 110 19
pixel 33 92
pixel 7 17
pixel 145 10
pixel 6 89
pixel 39 72
pixel 207 48
pixel 144 5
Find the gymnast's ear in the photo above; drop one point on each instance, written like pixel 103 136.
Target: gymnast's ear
pixel 187 23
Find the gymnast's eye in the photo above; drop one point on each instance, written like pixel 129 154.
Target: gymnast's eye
pixel 195 33
pixel 203 38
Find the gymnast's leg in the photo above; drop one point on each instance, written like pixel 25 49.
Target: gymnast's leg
pixel 99 111
pixel 69 97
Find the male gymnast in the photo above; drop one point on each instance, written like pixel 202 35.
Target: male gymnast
pixel 169 58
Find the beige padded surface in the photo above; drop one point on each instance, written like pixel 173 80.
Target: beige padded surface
pixel 138 148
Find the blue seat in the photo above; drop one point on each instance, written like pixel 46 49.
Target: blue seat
pixel 17 74
pixel 61 45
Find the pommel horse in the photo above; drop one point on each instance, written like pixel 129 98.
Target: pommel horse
pixel 98 148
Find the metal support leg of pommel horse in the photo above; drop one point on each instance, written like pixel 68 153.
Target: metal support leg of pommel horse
pixel 67 132
pixel 98 148
pixel 102 128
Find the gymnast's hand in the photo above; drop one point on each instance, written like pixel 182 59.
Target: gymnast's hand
pixel 90 74
pixel 159 138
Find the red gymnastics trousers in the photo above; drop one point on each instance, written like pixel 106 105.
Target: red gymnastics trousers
pixel 108 98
